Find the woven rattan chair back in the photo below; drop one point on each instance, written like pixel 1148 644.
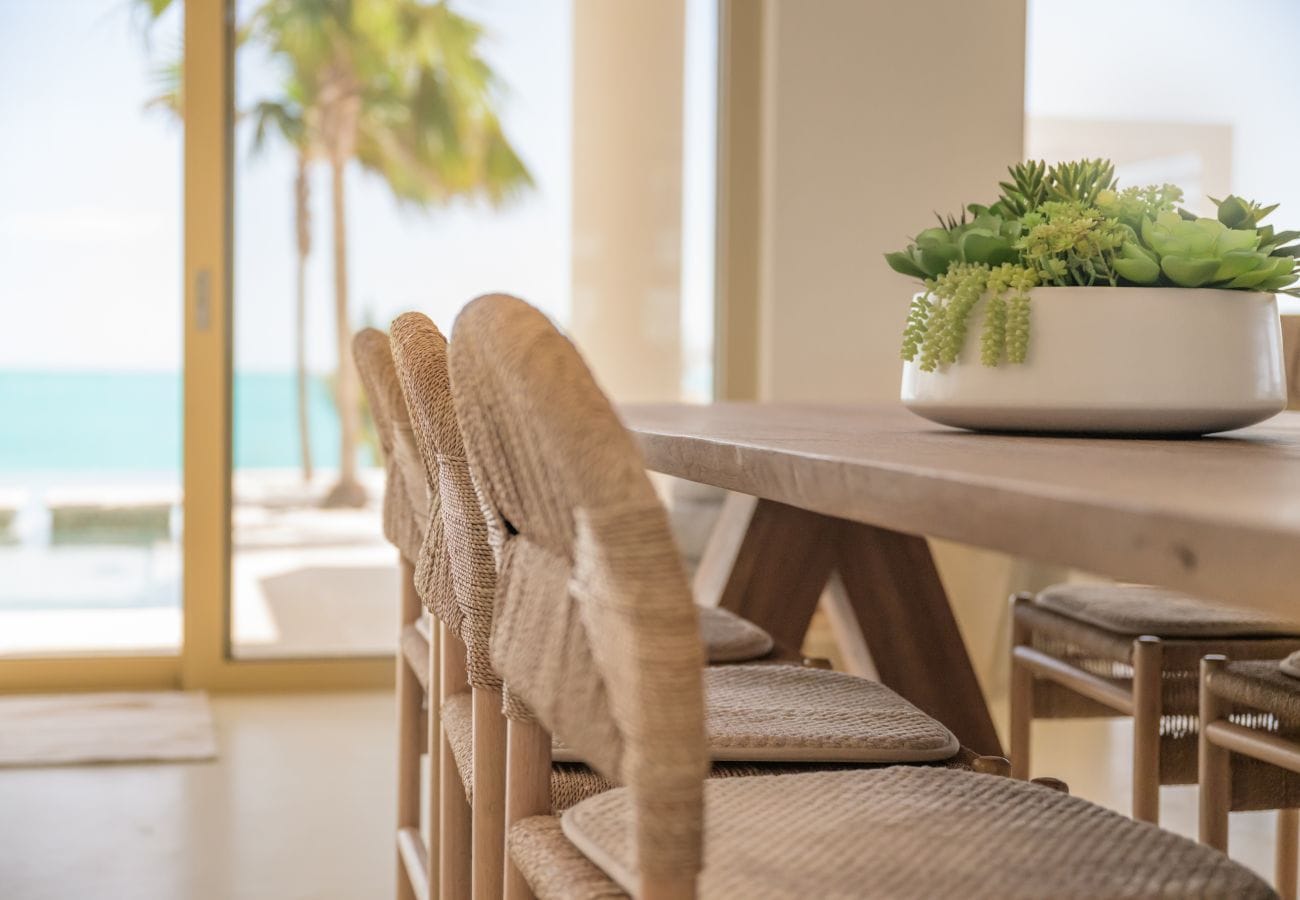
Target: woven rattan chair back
pixel 406 497
pixel 420 353
pixel 406 516
pixel 595 631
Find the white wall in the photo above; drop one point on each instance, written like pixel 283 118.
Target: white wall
pixel 876 115
pixel 627 194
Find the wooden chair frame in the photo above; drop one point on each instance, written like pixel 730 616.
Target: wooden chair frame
pixel 1143 698
pixel 489 808
pixel 1143 703
pixel 1219 739
pixel 455 832
pixel 419 727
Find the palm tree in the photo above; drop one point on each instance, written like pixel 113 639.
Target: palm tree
pixel 399 87
pixel 286 117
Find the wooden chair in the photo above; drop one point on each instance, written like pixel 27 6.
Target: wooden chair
pixel 405 520
pixel 595 638
pixel 458 562
pixel 1250 716
pixel 457 570
pixel 1102 650
pixel 458 585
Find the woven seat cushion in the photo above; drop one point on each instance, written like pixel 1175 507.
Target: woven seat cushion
pixel 1137 609
pixel 914 832
pixel 792 714
pixel 729 638
pixel 796 714
pixel 1259 684
pixel 570 782
pixel 553 867
pixel 1291 665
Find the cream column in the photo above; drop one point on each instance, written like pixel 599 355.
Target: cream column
pixel 627 193
pixel 868 117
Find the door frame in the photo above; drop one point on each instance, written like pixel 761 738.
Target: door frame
pixel 207 659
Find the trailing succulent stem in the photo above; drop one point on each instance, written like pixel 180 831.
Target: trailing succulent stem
pixel 1070 225
pixel 939 319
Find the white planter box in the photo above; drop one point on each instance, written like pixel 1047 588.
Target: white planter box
pixel 1118 360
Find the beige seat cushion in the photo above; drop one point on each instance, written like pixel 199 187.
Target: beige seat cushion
pixel 916 832
pixel 729 638
pixel 571 781
pixel 771 714
pixel 795 714
pixel 1291 665
pixel 1139 609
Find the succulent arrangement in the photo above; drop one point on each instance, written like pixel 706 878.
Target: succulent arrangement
pixel 1070 224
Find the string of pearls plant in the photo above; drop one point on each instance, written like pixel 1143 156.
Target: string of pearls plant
pixel 1069 225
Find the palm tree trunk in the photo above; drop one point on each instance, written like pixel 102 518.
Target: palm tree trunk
pixel 348 491
pixel 303 227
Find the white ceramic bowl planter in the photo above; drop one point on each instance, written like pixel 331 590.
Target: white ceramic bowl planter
pixel 1127 360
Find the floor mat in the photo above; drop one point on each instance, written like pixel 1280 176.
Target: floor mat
pixel 79 729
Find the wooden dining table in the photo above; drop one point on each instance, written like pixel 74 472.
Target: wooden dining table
pixel 853 491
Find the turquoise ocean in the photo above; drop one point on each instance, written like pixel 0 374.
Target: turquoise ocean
pixel 130 422
pixel 95 430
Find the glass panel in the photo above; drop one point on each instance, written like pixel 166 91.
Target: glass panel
pixel 311 572
pixel 90 353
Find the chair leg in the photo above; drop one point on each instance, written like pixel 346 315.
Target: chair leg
pixel 1147 665
pixel 409 738
pixel 1214 763
pixel 489 817
pixel 1022 694
pixel 454 830
pixel 1288 831
pixel 528 789
pixel 433 792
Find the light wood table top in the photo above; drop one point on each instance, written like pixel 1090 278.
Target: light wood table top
pixel 1218 517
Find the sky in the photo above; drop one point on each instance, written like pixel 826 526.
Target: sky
pixel 90 199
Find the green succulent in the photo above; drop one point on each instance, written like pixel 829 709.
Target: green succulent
pixel 1133 204
pixel 1235 212
pixel 1034 183
pixel 1068 242
pixel 986 239
pixel 1068 224
pixel 1202 252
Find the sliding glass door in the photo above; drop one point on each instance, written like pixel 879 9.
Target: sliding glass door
pixel 193 226
pixel 91 347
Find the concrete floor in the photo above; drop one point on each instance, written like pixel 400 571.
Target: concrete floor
pixel 299 805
